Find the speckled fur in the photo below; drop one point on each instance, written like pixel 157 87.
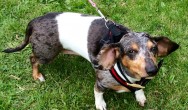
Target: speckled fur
pixel 44 38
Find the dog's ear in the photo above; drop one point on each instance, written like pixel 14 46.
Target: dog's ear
pixel 165 46
pixel 108 55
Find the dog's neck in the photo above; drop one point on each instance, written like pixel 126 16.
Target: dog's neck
pixel 124 73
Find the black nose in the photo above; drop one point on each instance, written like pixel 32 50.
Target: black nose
pixel 151 70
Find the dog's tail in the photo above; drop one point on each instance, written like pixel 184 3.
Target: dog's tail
pixel 24 43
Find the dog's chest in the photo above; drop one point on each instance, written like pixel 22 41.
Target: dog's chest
pixel 73 32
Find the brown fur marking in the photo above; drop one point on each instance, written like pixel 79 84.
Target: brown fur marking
pixel 69 52
pixel 153 57
pixel 135 46
pixel 162 51
pixel 119 88
pixel 149 44
pixel 35 65
pixel 136 67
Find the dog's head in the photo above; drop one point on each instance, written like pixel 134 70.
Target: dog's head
pixel 137 52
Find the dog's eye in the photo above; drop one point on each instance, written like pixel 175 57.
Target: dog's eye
pixel 132 51
pixel 154 49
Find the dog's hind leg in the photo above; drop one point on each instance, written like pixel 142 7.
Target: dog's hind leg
pixel 35 65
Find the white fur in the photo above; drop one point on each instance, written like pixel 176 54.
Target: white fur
pixel 41 78
pixel 140 97
pixel 73 32
pixel 99 100
pixel 128 77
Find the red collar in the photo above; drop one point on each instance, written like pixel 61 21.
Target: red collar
pixel 121 78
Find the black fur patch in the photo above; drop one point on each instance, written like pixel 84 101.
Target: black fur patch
pixel 96 32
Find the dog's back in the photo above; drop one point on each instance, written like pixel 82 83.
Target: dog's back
pixel 53 32
pixel 73 31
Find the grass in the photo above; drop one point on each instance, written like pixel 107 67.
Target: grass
pixel 70 79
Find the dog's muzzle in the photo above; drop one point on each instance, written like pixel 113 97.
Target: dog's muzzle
pixel 153 73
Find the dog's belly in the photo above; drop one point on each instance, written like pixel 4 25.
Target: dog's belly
pixel 73 32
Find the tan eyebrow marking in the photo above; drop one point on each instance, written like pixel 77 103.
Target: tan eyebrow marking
pixel 134 46
pixel 149 44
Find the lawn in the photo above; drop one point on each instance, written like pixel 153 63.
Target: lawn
pixel 70 79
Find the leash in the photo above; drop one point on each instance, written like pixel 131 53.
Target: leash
pixel 95 6
pixel 115 32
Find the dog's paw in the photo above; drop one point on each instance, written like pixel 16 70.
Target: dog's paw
pixel 142 102
pixel 99 101
pixel 100 105
pixel 140 97
pixel 41 77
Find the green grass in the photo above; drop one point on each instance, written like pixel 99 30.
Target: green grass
pixel 70 79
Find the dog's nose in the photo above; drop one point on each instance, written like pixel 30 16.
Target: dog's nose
pixel 151 70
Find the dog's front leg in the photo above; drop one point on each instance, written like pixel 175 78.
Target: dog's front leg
pixel 99 100
pixel 140 97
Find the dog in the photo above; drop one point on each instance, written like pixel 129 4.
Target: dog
pixel 118 65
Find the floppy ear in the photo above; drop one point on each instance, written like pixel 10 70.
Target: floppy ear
pixel 165 46
pixel 108 55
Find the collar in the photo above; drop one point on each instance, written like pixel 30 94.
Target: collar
pixel 124 74
pixel 125 80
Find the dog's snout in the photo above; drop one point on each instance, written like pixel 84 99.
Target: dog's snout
pixel 151 68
